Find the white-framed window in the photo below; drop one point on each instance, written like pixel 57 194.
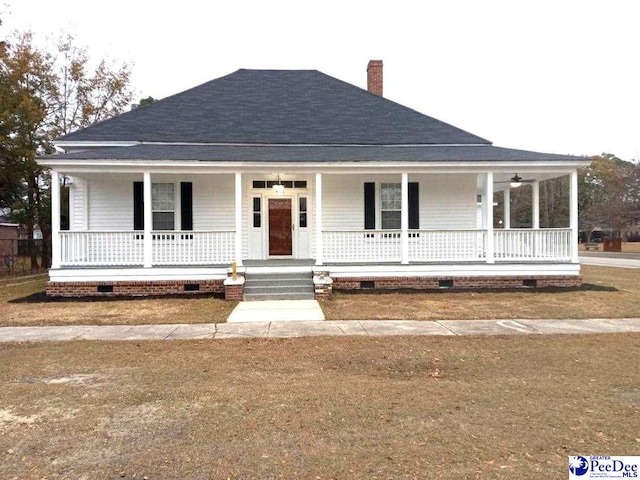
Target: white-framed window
pixel 390 206
pixel 163 206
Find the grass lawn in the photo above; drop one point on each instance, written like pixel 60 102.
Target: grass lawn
pixel 631 247
pixel 22 302
pixel 403 407
pixel 609 293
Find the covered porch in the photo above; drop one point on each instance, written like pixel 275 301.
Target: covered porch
pixel 406 218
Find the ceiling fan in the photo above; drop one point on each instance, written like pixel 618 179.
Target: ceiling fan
pixel 517 180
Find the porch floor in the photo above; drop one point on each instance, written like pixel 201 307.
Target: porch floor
pixel 308 262
pixel 280 262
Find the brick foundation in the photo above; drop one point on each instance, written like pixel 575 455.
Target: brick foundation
pixel 435 283
pixel 133 288
pixel 233 292
pixel 322 291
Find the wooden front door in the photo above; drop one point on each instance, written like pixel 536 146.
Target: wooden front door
pixel 280 238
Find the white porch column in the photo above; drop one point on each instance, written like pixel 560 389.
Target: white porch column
pixel 507 208
pixel 488 215
pixel 535 204
pixel 55 219
pixel 318 207
pixel 238 252
pixel 404 218
pixel 148 220
pixel 573 215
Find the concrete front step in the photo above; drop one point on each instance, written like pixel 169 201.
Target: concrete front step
pixel 272 282
pixel 278 296
pixel 298 288
pixel 279 286
pixel 279 276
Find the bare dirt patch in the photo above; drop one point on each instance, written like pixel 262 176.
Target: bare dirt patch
pixel 75 379
pixel 319 407
pixel 8 417
pixel 608 293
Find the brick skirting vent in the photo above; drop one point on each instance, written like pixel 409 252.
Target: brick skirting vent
pixel 133 288
pixel 435 283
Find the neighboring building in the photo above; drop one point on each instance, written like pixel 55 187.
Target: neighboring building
pixel 296 171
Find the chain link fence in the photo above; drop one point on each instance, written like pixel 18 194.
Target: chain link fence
pixel 17 256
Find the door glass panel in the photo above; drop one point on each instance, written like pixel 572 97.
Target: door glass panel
pixel 303 212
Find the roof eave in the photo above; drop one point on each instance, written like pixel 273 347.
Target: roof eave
pixel 475 165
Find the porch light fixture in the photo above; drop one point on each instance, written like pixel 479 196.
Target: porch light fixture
pixel 278 188
pixel 516 181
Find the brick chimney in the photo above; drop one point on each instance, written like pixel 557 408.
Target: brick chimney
pixel 374 77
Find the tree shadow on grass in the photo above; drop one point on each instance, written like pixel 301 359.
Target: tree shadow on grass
pixel 41 297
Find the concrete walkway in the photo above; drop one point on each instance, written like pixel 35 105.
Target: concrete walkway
pixel 602 261
pixel 374 328
pixel 277 310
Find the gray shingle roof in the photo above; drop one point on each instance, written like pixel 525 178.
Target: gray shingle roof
pixel 276 107
pixel 299 154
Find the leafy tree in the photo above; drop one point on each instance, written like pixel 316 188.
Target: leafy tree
pixel 81 96
pixel 554 202
pixel 608 194
pixel 44 95
pixel 24 84
pixel 144 101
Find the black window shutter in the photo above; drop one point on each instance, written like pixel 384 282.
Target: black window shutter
pixel 186 205
pixel 414 206
pixel 138 206
pixel 369 206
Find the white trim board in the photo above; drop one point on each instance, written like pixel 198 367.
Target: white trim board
pixel 450 270
pixel 135 274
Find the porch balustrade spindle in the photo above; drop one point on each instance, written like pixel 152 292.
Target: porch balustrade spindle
pixel 93 248
pixel 514 245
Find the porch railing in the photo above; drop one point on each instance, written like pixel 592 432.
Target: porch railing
pixel 447 245
pixel 362 246
pixel 125 248
pixel 192 248
pixel 101 248
pixel 552 244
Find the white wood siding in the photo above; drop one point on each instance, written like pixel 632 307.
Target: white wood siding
pixel 213 201
pixel 77 208
pixel 111 200
pixel 446 201
pixel 343 201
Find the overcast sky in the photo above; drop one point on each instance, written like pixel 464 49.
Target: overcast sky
pixel 558 76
